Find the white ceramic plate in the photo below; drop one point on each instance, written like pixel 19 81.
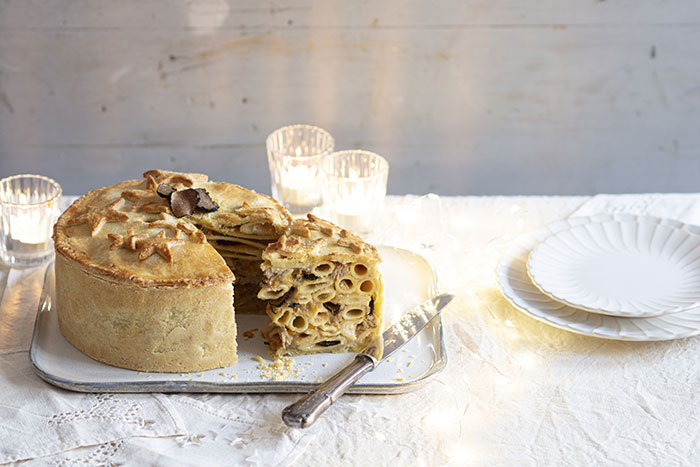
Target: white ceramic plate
pixel 517 287
pixel 408 281
pixel 620 265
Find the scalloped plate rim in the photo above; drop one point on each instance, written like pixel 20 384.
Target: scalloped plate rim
pixel 578 221
pixel 517 250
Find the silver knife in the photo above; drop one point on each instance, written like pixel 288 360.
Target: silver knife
pixel 306 410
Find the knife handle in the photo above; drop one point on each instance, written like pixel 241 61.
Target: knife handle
pixel 304 412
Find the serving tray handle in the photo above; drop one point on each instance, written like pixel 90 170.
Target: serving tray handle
pixel 305 411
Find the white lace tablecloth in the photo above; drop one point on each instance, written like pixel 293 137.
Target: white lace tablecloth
pixel 515 391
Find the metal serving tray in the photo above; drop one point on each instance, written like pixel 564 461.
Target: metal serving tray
pixel 408 280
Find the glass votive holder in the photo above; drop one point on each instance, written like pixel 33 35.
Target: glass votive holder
pixel 29 206
pixel 294 154
pixel 354 188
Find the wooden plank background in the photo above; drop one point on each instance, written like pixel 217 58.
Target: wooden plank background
pixel 461 96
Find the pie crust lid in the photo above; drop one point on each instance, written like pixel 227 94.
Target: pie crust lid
pixel 127 232
pixel 314 239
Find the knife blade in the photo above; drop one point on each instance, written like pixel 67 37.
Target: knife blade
pixel 306 410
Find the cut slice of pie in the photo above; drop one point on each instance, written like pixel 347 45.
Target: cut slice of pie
pixel 323 288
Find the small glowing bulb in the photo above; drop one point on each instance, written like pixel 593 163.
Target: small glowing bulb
pixel 440 420
pixel 526 359
pixel 460 454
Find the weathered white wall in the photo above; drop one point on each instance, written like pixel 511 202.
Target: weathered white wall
pixel 461 96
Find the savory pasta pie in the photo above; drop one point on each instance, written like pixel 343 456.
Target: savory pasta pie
pixel 323 289
pixel 148 273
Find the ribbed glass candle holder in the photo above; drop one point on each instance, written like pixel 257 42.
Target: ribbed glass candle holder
pixel 29 206
pixel 354 188
pixel 294 154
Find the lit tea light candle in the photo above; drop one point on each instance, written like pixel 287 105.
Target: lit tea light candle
pixel 298 186
pixel 27 225
pixel 354 187
pixel 30 229
pixel 294 154
pixel 352 214
pixel 28 210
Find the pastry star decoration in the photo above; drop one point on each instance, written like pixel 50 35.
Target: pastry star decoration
pixel 159 244
pixel 98 218
pixel 149 246
pixel 145 201
pixel 184 226
pixel 127 241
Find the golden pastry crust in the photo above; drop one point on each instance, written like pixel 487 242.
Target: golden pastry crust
pixel 160 329
pixel 243 212
pixel 317 238
pixel 86 233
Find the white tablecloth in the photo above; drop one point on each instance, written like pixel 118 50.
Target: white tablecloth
pixel 515 391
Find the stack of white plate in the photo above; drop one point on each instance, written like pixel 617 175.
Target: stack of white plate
pixel 614 276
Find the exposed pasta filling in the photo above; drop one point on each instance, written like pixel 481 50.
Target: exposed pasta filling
pixel 323 290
